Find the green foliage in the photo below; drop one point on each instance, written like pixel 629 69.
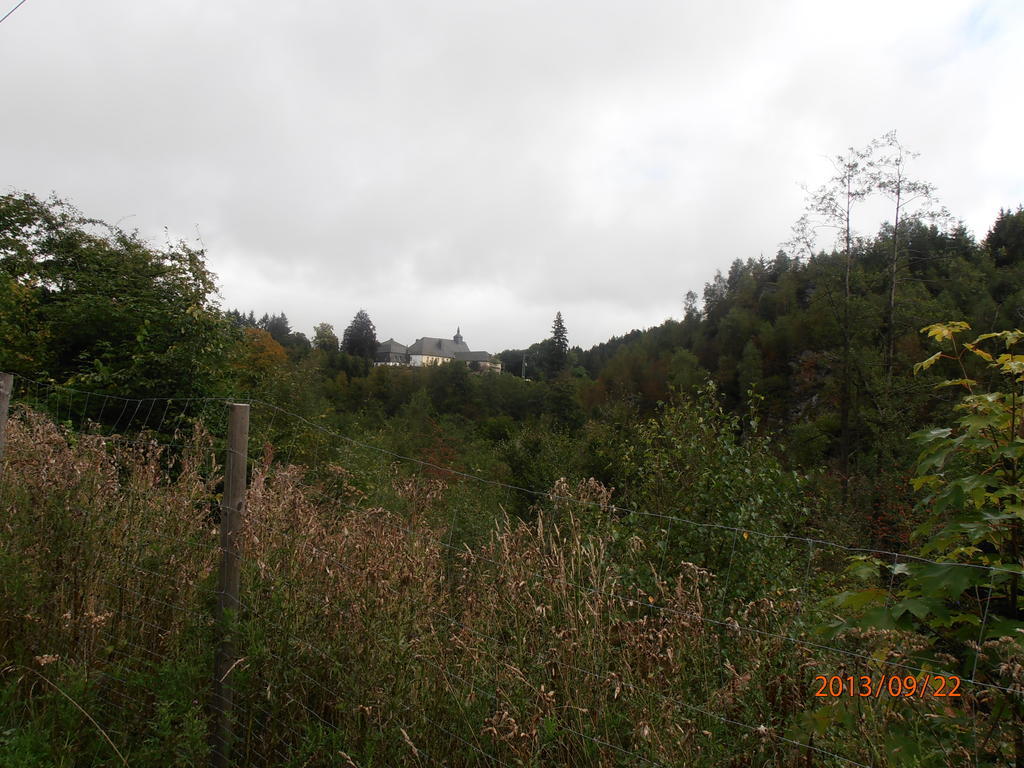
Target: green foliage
pixel 90 305
pixel 360 338
pixel 558 350
pixel 685 373
pixel 450 387
pixel 325 339
pixel 966 604
pixel 278 327
pixel 1005 241
pixel 562 403
pixel 537 457
pixel 779 323
pixel 750 370
pixel 692 461
pixel 632 423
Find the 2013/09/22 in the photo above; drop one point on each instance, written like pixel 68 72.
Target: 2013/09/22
pixel 869 686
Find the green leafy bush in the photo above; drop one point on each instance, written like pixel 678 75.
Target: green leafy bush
pixel 956 602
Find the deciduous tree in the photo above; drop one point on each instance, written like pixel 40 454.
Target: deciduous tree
pixel 104 310
pixel 324 338
pixel 913 200
pixel 831 206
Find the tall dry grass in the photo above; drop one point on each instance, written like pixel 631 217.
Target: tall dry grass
pixel 367 637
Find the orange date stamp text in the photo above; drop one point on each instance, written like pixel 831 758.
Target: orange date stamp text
pixel 893 686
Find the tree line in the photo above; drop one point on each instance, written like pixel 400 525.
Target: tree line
pixel 821 340
pixel 780 400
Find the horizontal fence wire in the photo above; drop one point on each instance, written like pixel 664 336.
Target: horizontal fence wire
pixel 446 672
pixel 810 541
pixel 683 521
pixel 760 729
pixel 109 414
pixel 141 421
pixel 614 509
pixel 757 729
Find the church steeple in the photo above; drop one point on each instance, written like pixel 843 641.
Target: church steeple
pixel 458 335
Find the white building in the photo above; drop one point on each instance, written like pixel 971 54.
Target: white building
pixel 429 350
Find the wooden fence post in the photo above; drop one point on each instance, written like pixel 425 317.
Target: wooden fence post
pixel 231 511
pixel 6 385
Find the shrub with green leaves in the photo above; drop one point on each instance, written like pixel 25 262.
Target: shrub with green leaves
pixel 956 603
pixel 698 462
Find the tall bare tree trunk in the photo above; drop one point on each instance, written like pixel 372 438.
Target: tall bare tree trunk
pixel 890 346
pixel 844 404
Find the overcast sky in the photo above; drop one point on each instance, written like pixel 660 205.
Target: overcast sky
pixel 485 163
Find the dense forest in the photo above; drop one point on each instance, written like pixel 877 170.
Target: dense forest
pixel 89 306
pixel 797 396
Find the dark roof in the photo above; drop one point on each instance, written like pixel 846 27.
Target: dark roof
pixel 391 351
pixel 428 345
pixel 469 357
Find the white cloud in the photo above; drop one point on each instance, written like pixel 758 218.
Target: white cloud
pixel 452 163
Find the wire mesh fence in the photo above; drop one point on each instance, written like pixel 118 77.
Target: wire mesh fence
pixel 393 610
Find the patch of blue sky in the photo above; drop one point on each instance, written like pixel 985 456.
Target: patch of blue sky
pixel 988 18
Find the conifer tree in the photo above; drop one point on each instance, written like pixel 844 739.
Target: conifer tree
pixel 360 338
pixel 559 335
pixel 558 352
